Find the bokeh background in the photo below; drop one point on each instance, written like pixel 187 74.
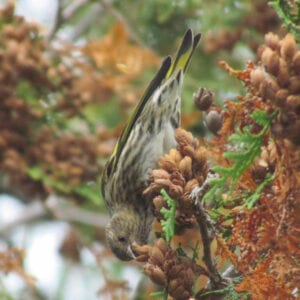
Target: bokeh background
pixel 70 73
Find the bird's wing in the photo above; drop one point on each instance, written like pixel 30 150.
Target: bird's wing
pixel 166 70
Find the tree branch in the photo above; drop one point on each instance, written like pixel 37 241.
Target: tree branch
pixel 207 231
pixel 57 22
pixel 86 21
pixel 72 9
pixel 59 209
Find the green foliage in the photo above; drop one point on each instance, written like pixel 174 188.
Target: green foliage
pixel 87 191
pixel 168 225
pixel 161 295
pixel 247 146
pixel 289 15
pixel 228 293
pixel 250 201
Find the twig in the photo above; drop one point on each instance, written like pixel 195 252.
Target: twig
pixel 57 22
pixel 65 14
pixel 59 209
pixel 207 233
pixel 216 279
pixel 72 9
pixel 66 211
pixel 31 213
pixel 120 17
pixel 86 21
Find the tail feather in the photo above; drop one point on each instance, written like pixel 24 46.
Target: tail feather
pixel 184 53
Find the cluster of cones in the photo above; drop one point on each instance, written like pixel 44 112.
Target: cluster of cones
pixel 165 268
pixel 181 170
pixel 277 80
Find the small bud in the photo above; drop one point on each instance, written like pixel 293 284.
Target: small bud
pixel 203 99
pixel 162 245
pixel 293 102
pixel 167 164
pixel 177 178
pixel 156 274
pixel 142 258
pixel 277 129
pixel 201 157
pixel 294 85
pixel 272 40
pixel 200 178
pixel 283 74
pixel 188 151
pixel 213 121
pixel 185 167
pixel 177 290
pixel 175 155
pixel 260 51
pixel 270 60
pixel 190 185
pixel 175 191
pixel 271 88
pixel 160 173
pixel 281 96
pixel 175 271
pixel 296 63
pixel 189 277
pixel 156 256
pixel 287 118
pixel 183 137
pixel 163 183
pixel 159 202
pixel 288 47
pixel 141 249
pixel 257 77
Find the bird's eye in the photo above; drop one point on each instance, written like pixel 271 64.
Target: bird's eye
pixel 121 239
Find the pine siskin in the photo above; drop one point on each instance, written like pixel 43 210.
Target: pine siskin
pixel 148 135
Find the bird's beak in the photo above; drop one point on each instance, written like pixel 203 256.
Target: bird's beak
pixel 130 252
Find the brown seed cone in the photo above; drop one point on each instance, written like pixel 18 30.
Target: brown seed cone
pixel 283 73
pixel 184 138
pixel 213 121
pixel 271 88
pixel 272 41
pixel 156 274
pixel 167 163
pixel 203 99
pixel 177 290
pixel 180 171
pixel 164 268
pixel 288 47
pixel 187 220
pixel 270 60
pixel 175 191
pixel 293 102
pixel 161 173
pixel 162 245
pixel 185 167
pixel 257 76
pixel 159 202
pixel 177 178
pixel 279 82
pixel 280 97
pixel 294 85
pixel 156 256
pixel 296 63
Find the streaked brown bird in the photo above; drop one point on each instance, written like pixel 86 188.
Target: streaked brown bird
pixel 148 135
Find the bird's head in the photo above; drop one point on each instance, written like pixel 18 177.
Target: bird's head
pixel 125 229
